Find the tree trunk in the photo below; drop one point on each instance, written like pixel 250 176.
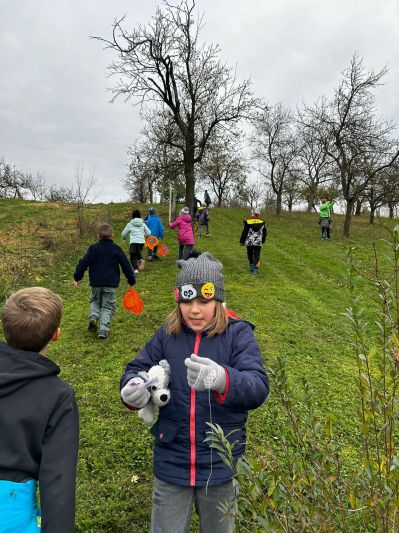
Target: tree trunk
pixel 279 202
pixel 348 217
pixel 358 210
pixel 390 206
pixel 290 202
pixel 372 213
pixel 189 169
pixel 173 202
pixel 310 202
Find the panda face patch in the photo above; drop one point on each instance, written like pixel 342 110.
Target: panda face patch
pixel 188 292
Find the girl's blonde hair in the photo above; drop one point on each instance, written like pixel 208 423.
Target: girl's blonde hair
pixel 174 321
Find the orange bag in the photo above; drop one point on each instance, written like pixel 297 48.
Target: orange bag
pixel 151 242
pixel 163 250
pixel 132 302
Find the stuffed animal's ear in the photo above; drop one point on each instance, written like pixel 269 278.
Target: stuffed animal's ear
pixel 165 365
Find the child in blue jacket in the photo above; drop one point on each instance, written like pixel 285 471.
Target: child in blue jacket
pixel 154 224
pixel 216 373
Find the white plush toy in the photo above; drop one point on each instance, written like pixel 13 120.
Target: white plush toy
pixel 160 394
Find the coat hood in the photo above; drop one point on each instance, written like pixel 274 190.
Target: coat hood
pixel 137 222
pixel 17 367
pixel 186 218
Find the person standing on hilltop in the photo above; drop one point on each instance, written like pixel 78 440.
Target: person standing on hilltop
pixel 196 205
pixel 207 199
pixel 253 235
pixel 325 218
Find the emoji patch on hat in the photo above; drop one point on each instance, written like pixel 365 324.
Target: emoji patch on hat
pixel 188 292
pixel 208 290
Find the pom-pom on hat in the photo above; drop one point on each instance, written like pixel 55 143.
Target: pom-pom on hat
pixel 200 277
pixel 185 211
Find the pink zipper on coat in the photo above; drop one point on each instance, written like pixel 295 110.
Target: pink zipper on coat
pixel 193 450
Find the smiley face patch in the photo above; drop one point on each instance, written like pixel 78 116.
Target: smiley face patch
pixel 208 290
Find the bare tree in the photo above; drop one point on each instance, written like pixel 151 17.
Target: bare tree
pixel 383 190
pixel 60 193
pixel 313 167
pixel 12 181
pixel 164 62
pixel 35 186
pixel 275 148
pixel 351 131
pixel 255 193
pixel 223 166
pixel 84 187
pixel 292 192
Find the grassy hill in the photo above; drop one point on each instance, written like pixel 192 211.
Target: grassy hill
pixel 296 303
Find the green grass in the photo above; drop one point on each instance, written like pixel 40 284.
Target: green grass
pixel 296 303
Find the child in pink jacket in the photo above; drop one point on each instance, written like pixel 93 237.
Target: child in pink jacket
pixel 185 233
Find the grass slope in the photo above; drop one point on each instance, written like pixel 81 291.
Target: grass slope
pixel 295 302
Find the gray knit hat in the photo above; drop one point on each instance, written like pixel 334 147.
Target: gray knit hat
pixel 200 276
pixel 185 211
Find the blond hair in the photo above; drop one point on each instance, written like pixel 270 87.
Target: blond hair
pixel 30 318
pixel 105 231
pixel 174 321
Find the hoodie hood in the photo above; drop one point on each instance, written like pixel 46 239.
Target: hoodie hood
pixel 18 367
pixel 137 221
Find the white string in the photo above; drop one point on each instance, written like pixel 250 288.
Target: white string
pixel 210 419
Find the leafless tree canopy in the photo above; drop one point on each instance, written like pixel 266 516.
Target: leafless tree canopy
pixel 352 134
pixel 223 166
pixel 274 148
pixel 164 62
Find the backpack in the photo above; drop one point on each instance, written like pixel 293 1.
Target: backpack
pixel 254 238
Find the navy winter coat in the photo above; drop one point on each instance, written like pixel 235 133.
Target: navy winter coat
pixel 103 260
pixel 181 456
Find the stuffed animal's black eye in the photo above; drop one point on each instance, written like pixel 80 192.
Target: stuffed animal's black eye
pixel 153 387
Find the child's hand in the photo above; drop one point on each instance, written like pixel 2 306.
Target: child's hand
pixel 134 394
pixel 203 374
pixel 74 284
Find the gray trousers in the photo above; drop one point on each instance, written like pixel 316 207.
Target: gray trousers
pixel 102 306
pixel 172 507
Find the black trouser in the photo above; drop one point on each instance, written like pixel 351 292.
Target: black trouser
pixel 152 252
pixel 185 250
pixel 253 253
pixel 135 254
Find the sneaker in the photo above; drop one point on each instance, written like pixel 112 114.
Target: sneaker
pixel 92 324
pixel 150 258
pixel 136 271
pixel 103 334
pixel 141 264
pixel 208 234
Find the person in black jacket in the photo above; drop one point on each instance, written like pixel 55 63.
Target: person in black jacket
pixel 39 421
pixel 103 260
pixel 253 235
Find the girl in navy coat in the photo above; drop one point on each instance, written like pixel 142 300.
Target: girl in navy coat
pixel 216 373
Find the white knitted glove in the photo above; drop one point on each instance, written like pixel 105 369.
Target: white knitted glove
pixel 135 394
pixel 203 374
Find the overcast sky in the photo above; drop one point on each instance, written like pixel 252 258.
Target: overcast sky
pixel 54 105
